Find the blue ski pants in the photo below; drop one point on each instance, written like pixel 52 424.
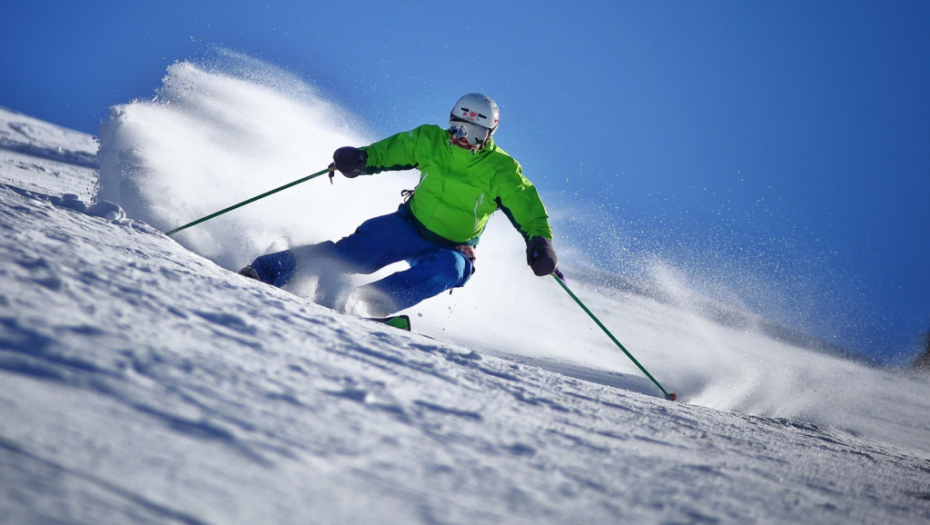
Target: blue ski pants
pixel 378 242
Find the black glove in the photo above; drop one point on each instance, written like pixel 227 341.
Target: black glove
pixel 541 256
pixel 350 161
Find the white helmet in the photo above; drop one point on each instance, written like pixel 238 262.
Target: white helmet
pixel 474 119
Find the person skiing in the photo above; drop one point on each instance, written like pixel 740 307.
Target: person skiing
pixel 464 178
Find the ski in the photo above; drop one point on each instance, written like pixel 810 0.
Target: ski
pixel 397 321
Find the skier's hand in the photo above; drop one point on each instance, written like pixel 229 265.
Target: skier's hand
pixel 541 256
pixel 350 161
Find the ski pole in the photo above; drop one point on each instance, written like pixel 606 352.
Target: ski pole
pixel 672 396
pixel 249 201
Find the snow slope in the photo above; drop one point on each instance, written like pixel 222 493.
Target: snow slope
pixel 46 158
pixel 144 383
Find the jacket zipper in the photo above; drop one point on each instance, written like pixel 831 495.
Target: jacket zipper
pixel 478 202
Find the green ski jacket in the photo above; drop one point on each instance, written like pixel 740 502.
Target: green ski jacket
pixel 460 190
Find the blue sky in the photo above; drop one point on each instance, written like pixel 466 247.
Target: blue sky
pixel 785 139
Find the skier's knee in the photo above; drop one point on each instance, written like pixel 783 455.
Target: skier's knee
pixel 452 268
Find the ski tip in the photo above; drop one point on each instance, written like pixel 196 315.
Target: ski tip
pixel 401 321
pixel 397 321
pixel 672 397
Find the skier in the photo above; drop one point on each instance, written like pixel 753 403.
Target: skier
pixel 464 178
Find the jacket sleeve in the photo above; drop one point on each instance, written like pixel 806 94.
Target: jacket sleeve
pixel 395 153
pixel 519 200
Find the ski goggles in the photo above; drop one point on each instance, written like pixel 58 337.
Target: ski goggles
pixel 475 134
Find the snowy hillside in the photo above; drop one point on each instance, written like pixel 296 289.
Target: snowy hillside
pixel 50 159
pixel 143 382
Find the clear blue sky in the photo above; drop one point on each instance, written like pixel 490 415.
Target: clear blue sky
pixel 795 132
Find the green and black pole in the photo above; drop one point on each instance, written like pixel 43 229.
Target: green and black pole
pixel 557 277
pixel 249 201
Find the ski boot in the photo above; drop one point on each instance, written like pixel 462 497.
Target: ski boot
pixel 249 272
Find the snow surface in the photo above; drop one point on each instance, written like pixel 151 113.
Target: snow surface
pixel 39 156
pixel 143 382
